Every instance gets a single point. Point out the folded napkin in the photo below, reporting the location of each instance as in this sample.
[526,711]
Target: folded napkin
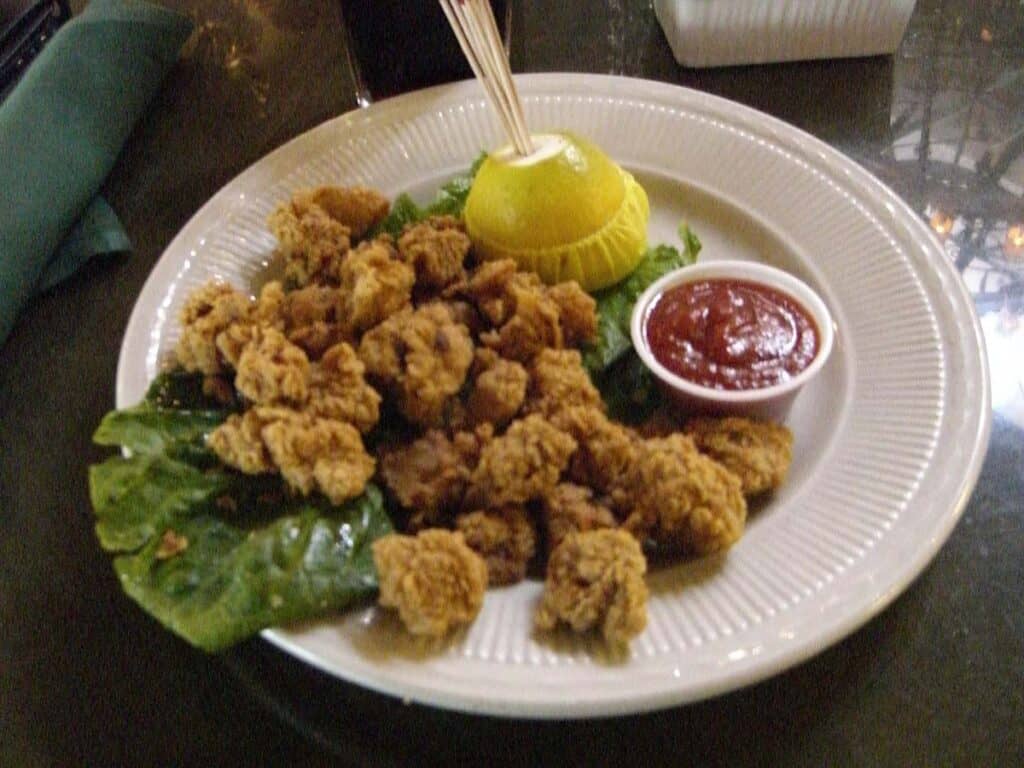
[61,130]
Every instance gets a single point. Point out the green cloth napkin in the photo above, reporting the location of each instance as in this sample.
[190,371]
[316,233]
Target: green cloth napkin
[61,130]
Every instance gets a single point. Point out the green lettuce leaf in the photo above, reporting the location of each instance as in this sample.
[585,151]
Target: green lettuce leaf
[139,497]
[229,582]
[450,201]
[152,430]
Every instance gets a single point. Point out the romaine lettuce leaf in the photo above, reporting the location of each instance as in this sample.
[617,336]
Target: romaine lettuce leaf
[151,430]
[137,498]
[229,582]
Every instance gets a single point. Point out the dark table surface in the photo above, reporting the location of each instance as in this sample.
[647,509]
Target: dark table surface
[938,679]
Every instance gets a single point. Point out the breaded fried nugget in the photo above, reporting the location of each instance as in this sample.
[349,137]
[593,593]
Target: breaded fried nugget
[313,244]
[499,388]
[375,284]
[422,357]
[570,508]
[436,249]
[757,452]
[239,444]
[311,319]
[533,325]
[358,208]
[338,389]
[487,288]
[558,381]
[523,464]
[309,452]
[272,370]
[577,312]
[606,448]
[316,453]
[267,312]
[428,476]
[504,538]
[435,581]
[681,499]
[596,580]
[207,313]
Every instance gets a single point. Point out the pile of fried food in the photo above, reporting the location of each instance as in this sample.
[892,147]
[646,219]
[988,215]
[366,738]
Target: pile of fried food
[505,455]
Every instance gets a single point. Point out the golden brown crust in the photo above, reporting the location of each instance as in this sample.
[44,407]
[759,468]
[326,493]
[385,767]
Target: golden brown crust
[577,312]
[436,248]
[521,465]
[338,389]
[208,312]
[272,370]
[435,581]
[375,284]
[504,538]
[422,357]
[428,476]
[313,244]
[239,444]
[316,453]
[570,508]
[499,389]
[606,448]
[758,453]
[357,208]
[558,381]
[595,580]
[681,499]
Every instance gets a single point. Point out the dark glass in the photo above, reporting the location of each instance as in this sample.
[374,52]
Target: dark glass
[401,45]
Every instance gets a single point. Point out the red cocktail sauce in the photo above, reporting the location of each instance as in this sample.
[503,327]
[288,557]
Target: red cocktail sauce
[731,334]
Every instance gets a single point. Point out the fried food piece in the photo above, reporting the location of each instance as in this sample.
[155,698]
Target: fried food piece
[207,313]
[499,389]
[571,508]
[436,582]
[681,499]
[422,357]
[311,319]
[606,449]
[428,476]
[338,389]
[577,312]
[316,453]
[521,465]
[528,316]
[504,538]
[239,444]
[272,370]
[757,452]
[313,244]
[436,249]
[375,284]
[533,325]
[358,208]
[558,381]
[596,580]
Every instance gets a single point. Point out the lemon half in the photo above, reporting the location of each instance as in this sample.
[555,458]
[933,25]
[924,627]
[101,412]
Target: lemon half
[566,211]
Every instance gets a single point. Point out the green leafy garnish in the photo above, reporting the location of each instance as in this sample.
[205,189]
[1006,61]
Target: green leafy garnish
[179,389]
[228,583]
[251,553]
[626,385]
[450,201]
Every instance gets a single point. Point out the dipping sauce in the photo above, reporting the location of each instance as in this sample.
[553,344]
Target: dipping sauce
[731,334]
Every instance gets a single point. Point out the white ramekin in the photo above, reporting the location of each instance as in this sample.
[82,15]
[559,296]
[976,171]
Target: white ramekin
[772,403]
[714,33]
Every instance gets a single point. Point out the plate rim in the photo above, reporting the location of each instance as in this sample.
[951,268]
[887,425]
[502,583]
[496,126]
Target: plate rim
[880,596]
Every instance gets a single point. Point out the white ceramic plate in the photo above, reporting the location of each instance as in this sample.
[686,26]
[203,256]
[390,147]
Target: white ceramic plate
[889,439]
